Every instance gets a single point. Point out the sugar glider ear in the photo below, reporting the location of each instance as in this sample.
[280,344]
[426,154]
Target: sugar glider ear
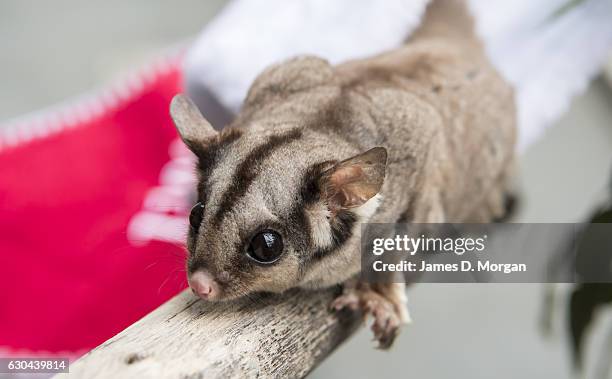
[193,128]
[354,181]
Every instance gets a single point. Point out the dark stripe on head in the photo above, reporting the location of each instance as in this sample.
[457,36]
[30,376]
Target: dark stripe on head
[309,189]
[208,156]
[309,194]
[247,171]
[208,153]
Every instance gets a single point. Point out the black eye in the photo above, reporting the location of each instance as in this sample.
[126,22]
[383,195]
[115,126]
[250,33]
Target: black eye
[265,247]
[195,217]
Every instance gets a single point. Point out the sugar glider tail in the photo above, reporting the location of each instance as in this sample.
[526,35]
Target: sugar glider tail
[446,18]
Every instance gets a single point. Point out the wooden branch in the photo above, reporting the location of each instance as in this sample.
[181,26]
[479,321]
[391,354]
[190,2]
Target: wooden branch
[274,336]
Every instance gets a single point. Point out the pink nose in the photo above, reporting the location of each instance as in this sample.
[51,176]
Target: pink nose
[203,285]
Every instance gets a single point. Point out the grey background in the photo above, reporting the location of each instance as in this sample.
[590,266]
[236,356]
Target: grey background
[51,51]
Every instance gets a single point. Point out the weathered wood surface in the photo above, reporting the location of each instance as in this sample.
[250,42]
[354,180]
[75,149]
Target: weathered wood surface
[274,336]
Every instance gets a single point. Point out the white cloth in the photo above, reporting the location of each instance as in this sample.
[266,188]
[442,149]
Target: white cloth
[548,57]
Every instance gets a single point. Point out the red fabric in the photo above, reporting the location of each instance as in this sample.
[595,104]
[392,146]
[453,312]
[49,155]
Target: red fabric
[69,277]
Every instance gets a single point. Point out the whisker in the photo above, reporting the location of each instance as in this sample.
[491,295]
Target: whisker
[166,280]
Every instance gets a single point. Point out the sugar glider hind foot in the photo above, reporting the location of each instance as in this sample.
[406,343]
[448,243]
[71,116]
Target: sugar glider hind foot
[385,303]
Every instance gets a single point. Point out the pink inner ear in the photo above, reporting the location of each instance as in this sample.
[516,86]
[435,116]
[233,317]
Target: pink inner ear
[346,175]
[349,187]
[356,180]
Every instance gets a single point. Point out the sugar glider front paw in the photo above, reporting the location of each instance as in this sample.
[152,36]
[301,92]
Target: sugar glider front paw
[386,303]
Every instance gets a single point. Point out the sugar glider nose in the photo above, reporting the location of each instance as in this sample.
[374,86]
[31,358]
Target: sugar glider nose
[203,285]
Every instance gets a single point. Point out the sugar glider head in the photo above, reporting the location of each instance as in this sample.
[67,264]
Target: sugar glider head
[270,205]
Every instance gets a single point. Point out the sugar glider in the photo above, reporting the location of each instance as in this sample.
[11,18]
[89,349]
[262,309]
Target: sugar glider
[424,133]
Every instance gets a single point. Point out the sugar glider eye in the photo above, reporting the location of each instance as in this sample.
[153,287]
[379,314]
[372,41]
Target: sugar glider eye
[195,217]
[265,247]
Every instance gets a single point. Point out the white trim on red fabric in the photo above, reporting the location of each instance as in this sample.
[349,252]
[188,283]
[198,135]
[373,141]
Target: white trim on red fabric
[87,107]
